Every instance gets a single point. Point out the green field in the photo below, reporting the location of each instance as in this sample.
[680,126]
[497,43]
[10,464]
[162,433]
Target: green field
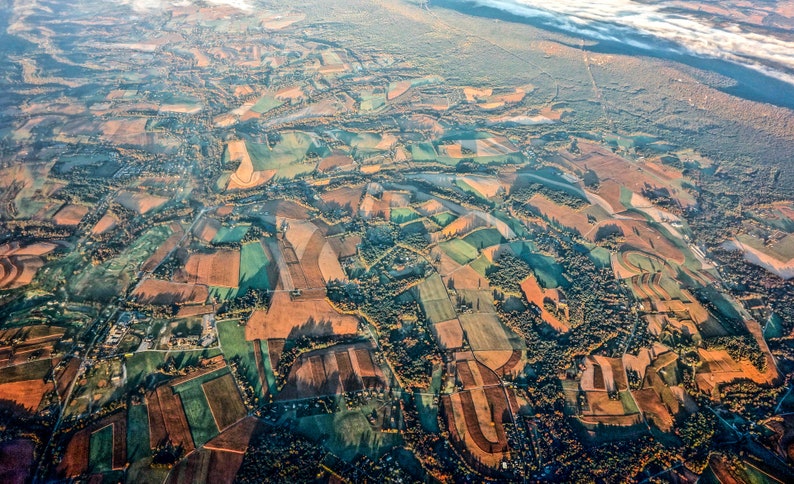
[548,272]
[459,250]
[137,433]
[433,298]
[253,268]
[364,141]
[265,104]
[469,189]
[423,152]
[483,238]
[348,434]
[600,257]
[481,264]
[428,412]
[287,156]
[197,411]
[101,450]
[231,234]
[268,367]
[372,101]
[546,269]
[516,226]
[142,364]
[253,273]
[402,215]
[647,264]
[232,339]
[444,218]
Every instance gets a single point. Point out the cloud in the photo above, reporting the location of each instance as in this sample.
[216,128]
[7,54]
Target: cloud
[644,25]
[149,5]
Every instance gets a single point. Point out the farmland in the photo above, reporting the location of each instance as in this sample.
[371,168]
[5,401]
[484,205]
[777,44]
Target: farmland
[434,300]
[397,241]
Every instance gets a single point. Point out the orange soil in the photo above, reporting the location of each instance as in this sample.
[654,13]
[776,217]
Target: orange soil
[463,277]
[654,409]
[236,437]
[340,368]
[70,214]
[449,334]
[568,217]
[139,202]
[27,393]
[287,318]
[220,268]
[155,259]
[107,223]
[75,457]
[206,229]
[336,161]
[157,292]
[198,310]
[345,197]
[398,90]
[167,418]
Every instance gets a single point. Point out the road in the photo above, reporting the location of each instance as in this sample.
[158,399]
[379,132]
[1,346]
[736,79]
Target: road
[40,467]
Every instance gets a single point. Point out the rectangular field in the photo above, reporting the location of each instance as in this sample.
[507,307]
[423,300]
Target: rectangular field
[232,337]
[199,416]
[459,250]
[137,433]
[433,298]
[101,450]
[224,401]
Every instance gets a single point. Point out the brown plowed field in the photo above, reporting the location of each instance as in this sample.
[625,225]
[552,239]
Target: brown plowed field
[161,252]
[106,223]
[341,368]
[70,214]
[653,408]
[287,318]
[334,162]
[75,458]
[346,198]
[18,270]
[163,293]
[236,437]
[207,229]
[27,393]
[167,419]
[512,363]
[449,334]
[67,375]
[274,348]
[221,268]
[224,401]
[139,202]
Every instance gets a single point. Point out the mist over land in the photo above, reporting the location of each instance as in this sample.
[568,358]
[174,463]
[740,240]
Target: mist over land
[655,28]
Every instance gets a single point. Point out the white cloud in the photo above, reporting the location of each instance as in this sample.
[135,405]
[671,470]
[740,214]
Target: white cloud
[148,5]
[622,20]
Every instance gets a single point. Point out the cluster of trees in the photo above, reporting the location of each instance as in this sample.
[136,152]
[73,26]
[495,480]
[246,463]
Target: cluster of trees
[508,273]
[557,196]
[277,454]
[741,348]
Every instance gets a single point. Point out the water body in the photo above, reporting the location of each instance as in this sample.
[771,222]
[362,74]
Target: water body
[756,81]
